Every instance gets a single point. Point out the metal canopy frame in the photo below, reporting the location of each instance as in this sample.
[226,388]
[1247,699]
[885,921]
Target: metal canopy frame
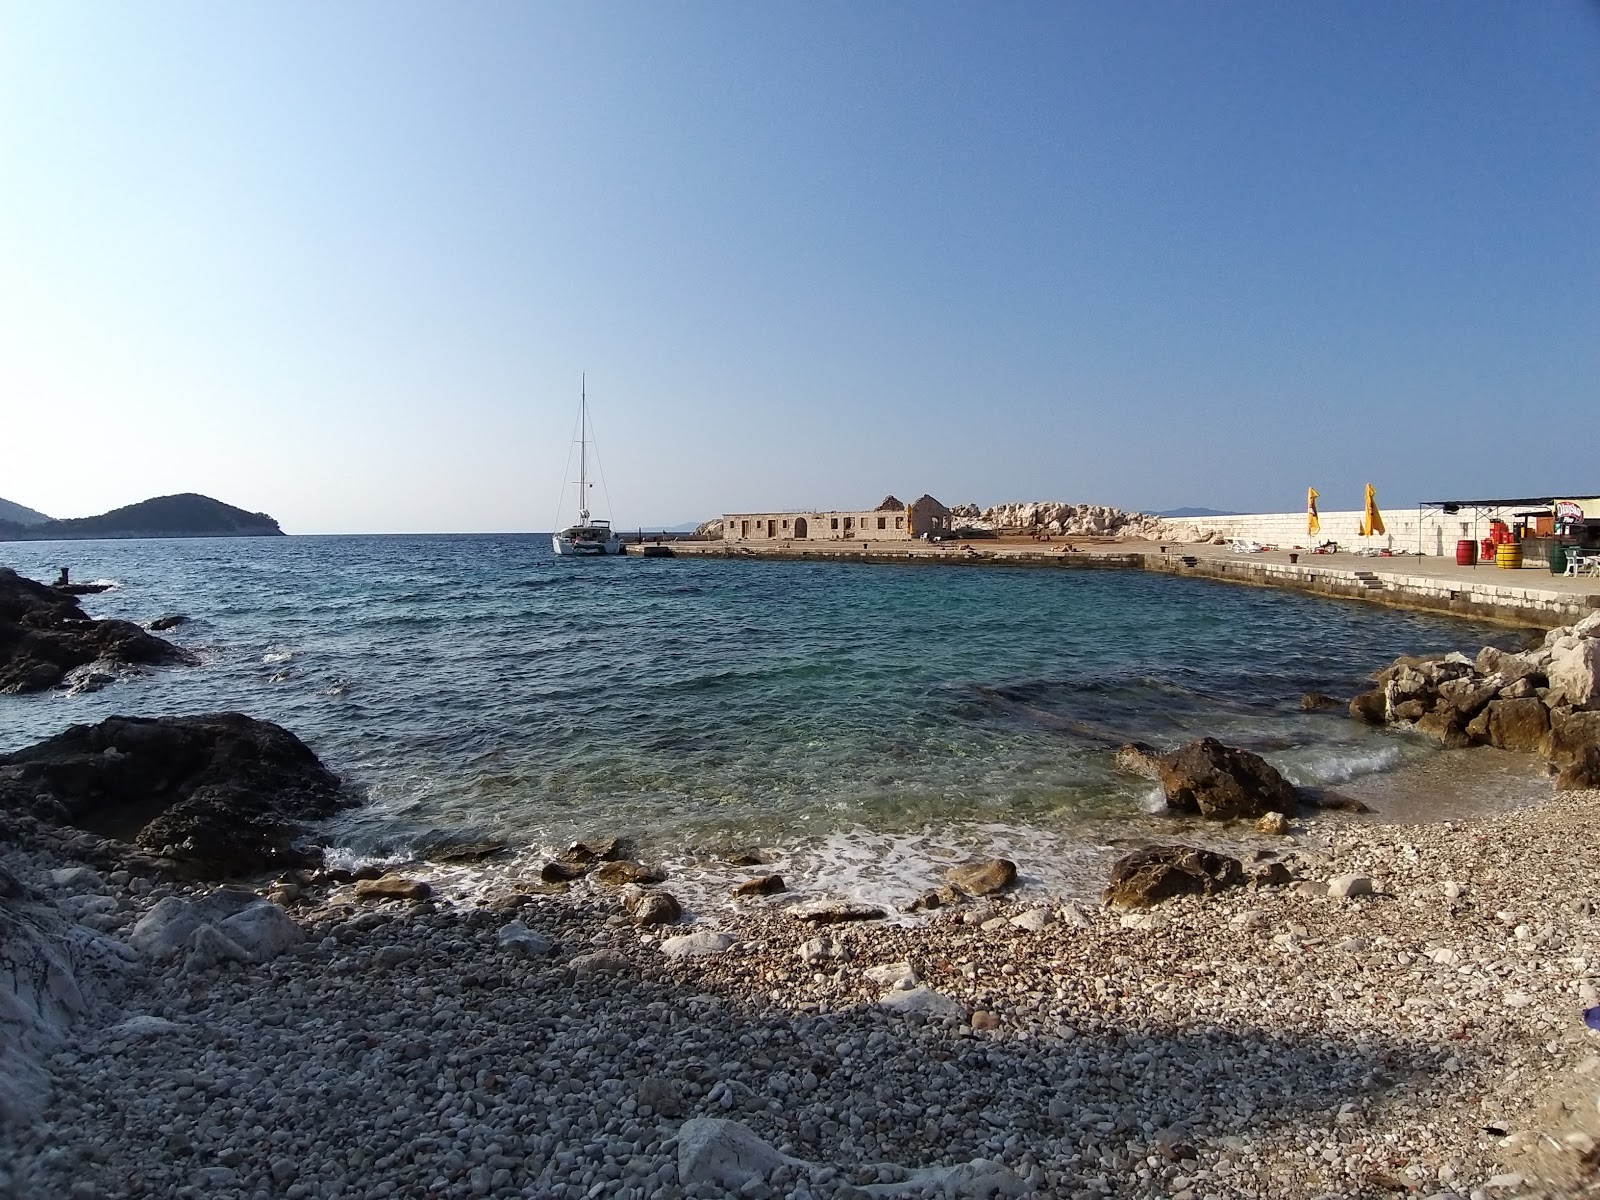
[1481,508]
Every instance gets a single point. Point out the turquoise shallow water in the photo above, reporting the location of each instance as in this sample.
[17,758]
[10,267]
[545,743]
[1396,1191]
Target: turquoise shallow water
[478,682]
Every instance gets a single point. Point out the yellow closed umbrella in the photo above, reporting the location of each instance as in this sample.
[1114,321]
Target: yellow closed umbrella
[1371,519]
[1313,522]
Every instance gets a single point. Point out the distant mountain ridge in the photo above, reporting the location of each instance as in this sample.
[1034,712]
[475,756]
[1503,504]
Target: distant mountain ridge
[184,515]
[20,514]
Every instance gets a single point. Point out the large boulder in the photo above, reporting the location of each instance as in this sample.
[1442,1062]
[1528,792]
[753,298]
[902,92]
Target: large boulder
[220,794]
[1220,782]
[1158,873]
[1518,725]
[1575,674]
[44,634]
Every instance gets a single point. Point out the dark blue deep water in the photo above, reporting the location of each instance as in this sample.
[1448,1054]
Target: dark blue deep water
[477,682]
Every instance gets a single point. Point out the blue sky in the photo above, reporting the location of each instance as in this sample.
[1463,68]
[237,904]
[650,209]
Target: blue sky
[346,263]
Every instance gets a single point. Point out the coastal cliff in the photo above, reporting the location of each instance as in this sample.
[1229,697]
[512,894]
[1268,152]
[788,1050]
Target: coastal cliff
[185,515]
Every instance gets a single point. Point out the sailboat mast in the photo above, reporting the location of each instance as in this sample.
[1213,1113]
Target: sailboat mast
[583,450]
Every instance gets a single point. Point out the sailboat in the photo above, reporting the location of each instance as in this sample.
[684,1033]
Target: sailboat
[589,536]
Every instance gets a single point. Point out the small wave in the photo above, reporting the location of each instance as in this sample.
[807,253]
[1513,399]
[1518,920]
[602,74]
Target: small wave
[273,657]
[1340,764]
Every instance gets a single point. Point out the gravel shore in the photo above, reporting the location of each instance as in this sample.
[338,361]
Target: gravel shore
[1423,1038]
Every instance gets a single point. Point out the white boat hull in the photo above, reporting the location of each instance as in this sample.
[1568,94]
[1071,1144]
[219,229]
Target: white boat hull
[572,547]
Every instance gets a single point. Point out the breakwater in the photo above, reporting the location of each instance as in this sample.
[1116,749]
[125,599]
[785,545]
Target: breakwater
[1528,597]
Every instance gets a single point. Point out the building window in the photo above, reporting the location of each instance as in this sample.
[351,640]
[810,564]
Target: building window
[848,522]
[899,522]
[786,524]
[883,522]
[835,522]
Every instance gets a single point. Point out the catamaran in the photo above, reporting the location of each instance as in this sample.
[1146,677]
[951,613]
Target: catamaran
[590,536]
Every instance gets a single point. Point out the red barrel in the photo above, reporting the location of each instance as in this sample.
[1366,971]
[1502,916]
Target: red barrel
[1466,553]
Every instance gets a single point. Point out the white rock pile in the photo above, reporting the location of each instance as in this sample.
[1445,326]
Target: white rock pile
[1055,517]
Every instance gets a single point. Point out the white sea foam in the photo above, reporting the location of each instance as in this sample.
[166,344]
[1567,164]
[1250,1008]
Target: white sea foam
[274,657]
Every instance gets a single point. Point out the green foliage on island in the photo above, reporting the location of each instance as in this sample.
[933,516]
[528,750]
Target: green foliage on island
[12,513]
[186,515]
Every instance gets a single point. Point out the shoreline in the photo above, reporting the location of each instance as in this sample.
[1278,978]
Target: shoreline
[1259,1042]
[1527,598]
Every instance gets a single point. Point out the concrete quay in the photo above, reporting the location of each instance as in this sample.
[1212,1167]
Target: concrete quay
[1529,597]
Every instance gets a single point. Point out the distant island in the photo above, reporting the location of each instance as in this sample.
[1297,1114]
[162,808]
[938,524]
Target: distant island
[186,515]
[20,514]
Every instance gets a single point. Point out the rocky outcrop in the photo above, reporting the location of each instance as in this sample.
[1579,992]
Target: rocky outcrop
[44,635]
[185,515]
[1158,873]
[1055,517]
[1544,700]
[1220,782]
[217,795]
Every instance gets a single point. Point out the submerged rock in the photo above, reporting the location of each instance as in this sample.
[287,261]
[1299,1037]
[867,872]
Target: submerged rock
[1220,782]
[618,872]
[761,885]
[1158,873]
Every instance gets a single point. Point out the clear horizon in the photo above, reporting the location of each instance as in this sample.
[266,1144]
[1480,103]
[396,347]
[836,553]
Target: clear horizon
[347,265]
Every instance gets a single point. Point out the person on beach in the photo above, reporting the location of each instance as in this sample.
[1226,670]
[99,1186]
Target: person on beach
[61,579]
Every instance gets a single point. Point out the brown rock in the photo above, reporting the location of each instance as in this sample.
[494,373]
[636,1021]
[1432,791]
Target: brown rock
[939,897]
[561,871]
[1317,701]
[619,871]
[1371,707]
[1157,873]
[1468,696]
[1580,772]
[1477,729]
[984,1019]
[1136,758]
[983,876]
[392,887]
[836,912]
[1518,725]
[1445,727]
[596,850]
[1570,731]
[1332,802]
[761,885]
[1409,710]
[653,908]
[1271,875]
[1273,822]
[1220,782]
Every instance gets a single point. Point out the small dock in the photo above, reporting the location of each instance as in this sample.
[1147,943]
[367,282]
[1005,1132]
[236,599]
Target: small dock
[1530,596]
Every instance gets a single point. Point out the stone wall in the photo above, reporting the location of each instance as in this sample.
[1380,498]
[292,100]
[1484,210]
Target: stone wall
[1412,529]
[888,525]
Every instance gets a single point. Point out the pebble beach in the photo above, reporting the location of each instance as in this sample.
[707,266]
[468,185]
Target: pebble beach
[1422,1035]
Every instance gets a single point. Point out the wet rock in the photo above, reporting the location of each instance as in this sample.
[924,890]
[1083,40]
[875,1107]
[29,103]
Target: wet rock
[593,850]
[1318,702]
[651,908]
[618,872]
[1333,802]
[1136,758]
[1271,875]
[1157,873]
[836,912]
[220,794]
[44,634]
[1579,772]
[169,621]
[1220,782]
[983,876]
[1371,707]
[1272,823]
[393,887]
[560,871]
[939,897]
[441,848]
[761,885]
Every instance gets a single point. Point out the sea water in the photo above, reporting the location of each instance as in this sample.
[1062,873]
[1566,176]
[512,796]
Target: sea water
[481,686]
